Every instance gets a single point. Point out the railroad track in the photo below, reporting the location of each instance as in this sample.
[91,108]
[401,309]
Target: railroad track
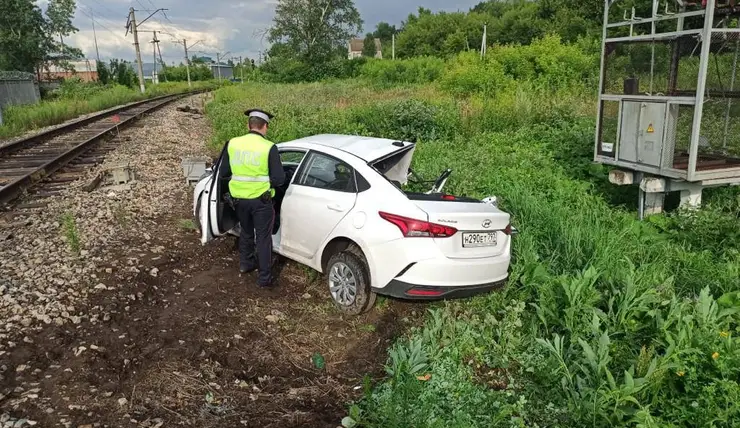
[50,160]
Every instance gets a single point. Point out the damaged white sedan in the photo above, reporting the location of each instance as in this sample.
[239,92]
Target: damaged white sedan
[343,212]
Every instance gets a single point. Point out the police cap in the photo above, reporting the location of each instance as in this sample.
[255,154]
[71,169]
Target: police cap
[260,114]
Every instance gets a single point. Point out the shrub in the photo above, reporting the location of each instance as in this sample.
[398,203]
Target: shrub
[468,74]
[546,62]
[409,71]
[411,120]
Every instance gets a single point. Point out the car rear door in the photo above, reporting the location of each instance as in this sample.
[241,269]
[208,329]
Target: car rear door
[323,192]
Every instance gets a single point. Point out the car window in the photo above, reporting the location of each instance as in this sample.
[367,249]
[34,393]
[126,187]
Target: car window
[291,157]
[325,172]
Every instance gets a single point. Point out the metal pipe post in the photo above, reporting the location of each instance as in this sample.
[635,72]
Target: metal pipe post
[701,86]
[732,88]
[600,106]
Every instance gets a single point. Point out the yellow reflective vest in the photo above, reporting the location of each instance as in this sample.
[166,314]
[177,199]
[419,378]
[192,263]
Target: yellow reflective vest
[250,172]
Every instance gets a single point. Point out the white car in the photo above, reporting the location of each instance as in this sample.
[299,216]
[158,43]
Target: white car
[342,212]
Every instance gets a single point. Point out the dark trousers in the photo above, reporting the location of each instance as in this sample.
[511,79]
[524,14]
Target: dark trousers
[256,217]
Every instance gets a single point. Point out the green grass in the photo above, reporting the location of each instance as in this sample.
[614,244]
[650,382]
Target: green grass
[71,104]
[71,233]
[606,320]
[187,224]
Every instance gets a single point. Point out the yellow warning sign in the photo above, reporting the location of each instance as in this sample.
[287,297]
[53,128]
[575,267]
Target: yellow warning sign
[650,129]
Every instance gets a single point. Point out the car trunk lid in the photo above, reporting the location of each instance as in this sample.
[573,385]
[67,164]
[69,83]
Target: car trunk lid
[481,227]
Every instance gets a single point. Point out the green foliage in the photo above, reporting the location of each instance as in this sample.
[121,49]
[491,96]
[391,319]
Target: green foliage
[606,321]
[24,40]
[442,35]
[104,74]
[385,31]
[60,14]
[402,72]
[198,72]
[71,233]
[547,62]
[314,31]
[468,75]
[285,69]
[75,98]
[508,22]
[368,46]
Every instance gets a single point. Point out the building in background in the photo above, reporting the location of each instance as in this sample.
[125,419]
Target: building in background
[222,71]
[85,69]
[355,48]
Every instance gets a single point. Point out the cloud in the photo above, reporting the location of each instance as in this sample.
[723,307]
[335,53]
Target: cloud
[221,25]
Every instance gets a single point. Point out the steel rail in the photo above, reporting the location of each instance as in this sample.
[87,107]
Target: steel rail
[14,188]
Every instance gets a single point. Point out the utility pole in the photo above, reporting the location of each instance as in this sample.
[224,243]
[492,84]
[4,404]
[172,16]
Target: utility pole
[393,49]
[95,37]
[184,43]
[135,30]
[483,43]
[154,50]
[218,63]
[241,67]
[187,61]
[161,61]
[134,27]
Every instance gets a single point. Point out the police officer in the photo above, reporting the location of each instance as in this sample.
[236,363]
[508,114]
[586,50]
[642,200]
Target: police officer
[256,171]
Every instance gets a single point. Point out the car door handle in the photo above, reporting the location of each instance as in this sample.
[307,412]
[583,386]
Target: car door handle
[336,207]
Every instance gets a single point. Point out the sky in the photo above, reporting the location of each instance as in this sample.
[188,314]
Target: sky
[230,27]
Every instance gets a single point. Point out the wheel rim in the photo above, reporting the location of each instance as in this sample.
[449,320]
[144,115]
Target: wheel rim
[342,284]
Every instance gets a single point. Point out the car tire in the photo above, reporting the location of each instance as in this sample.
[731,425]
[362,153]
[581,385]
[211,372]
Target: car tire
[349,282]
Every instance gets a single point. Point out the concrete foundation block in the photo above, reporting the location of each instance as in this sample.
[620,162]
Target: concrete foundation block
[121,174]
[691,198]
[621,178]
[654,203]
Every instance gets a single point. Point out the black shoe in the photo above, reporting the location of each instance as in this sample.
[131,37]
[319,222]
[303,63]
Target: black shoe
[269,285]
[246,269]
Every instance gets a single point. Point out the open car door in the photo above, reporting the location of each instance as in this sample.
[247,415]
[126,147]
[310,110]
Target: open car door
[213,209]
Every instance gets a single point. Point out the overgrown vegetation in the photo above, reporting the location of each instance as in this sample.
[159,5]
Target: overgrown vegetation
[75,98]
[606,320]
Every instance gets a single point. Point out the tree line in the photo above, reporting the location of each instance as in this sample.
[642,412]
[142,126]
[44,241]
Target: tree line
[310,38]
[30,38]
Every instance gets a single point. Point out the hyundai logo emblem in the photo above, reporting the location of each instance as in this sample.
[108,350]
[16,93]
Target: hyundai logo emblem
[486,223]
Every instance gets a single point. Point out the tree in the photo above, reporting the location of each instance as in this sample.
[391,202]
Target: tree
[60,14]
[314,30]
[104,75]
[440,34]
[368,46]
[24,41]
[385,31]
[122,72]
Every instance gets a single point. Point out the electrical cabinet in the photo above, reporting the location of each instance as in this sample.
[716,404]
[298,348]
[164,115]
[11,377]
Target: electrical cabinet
[642,133]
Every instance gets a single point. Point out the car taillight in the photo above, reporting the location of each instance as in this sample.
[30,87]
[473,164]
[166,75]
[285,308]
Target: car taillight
[412,228]
[509,230]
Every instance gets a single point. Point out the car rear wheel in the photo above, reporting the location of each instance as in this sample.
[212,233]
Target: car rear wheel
[349,283]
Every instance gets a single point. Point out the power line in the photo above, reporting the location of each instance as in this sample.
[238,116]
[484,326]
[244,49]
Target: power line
[100,4]
[104,26]
[98,16]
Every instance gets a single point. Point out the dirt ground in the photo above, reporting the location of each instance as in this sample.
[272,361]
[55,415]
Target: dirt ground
[188,341]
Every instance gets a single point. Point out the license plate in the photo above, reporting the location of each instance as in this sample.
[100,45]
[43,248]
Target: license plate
[487,239]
